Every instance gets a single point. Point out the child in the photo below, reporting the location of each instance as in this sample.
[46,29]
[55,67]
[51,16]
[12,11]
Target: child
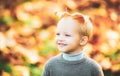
[72,34]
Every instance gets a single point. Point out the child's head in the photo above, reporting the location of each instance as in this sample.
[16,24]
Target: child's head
[73,32]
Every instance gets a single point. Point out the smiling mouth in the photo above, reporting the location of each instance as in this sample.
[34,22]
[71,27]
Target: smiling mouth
[61,44]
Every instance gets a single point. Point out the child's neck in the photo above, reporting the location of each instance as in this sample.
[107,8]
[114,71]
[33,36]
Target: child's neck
[74,57]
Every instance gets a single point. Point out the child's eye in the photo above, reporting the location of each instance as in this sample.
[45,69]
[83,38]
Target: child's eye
[67,35]
[57,34]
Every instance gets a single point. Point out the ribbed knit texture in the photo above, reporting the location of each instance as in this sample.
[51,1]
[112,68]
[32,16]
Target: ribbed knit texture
[73,57]
[58,66]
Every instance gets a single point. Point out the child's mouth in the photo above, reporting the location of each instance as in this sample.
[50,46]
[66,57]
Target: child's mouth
[61,44]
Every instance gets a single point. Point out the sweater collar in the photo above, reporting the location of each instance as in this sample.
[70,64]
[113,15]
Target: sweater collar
[73,57]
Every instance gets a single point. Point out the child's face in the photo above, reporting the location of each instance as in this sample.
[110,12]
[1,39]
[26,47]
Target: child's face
[67,36]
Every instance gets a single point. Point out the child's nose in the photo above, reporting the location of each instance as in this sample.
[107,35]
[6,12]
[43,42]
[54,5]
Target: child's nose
[61,38]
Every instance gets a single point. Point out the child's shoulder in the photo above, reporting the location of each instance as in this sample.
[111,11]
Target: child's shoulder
[53,59]
[95,67]
[92,63]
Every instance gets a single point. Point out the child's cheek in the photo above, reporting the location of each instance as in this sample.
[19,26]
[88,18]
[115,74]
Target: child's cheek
[69,40]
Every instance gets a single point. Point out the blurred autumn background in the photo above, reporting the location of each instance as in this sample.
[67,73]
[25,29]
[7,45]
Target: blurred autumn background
[27,30]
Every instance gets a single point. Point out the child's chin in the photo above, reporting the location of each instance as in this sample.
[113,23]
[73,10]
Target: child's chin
[62,50]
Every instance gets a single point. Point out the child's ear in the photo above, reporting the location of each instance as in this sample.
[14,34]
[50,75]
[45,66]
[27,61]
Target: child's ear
[84,40]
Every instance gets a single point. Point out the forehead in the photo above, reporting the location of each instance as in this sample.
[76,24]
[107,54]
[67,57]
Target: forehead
[67,24]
